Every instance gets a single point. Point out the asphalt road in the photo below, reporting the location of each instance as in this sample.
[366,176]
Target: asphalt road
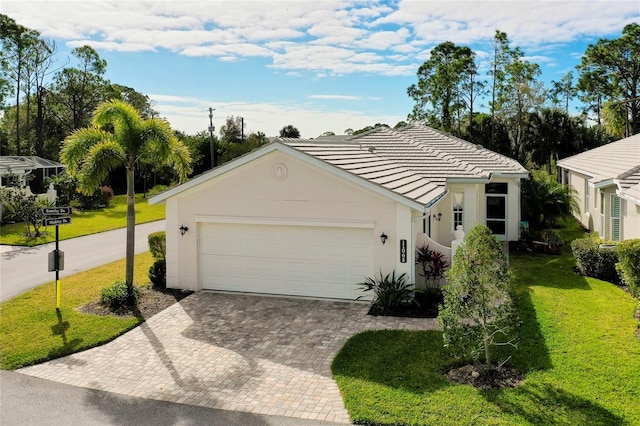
[26,400]
[22,268]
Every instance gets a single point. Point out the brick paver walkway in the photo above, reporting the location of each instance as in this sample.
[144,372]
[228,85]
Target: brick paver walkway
[257,354]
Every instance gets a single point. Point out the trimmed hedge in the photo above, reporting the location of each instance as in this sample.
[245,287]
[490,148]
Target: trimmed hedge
[158,245]
[629,265]
[594,261]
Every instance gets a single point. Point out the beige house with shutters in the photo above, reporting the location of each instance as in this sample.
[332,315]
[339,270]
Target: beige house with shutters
[313,217]
[607,183]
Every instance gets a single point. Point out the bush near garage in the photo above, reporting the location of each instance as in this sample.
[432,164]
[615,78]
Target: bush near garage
[158,249]
[629,265]
[117,297]
[594,260]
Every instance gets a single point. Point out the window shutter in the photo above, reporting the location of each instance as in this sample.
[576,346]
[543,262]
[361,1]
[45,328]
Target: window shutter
[615,217]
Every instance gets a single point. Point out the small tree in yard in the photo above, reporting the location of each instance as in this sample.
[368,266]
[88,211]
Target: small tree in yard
[478,313]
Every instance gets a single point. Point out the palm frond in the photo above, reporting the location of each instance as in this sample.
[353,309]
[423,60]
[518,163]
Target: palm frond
[98,162]
[158,140]
[124,119]
[76,145]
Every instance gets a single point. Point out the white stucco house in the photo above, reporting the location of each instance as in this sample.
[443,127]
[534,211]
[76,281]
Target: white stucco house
[607,183]
[314,217]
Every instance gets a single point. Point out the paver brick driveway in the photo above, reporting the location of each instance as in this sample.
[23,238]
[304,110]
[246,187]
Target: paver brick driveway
[263,355]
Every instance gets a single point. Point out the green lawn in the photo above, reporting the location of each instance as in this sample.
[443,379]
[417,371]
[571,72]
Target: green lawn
[86,222]
[578,349]
[32,331]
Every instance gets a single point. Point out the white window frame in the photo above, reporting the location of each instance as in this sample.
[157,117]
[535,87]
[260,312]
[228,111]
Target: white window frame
[587,195]
[457,209]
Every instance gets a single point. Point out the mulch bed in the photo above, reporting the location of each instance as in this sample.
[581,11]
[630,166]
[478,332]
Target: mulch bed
[486,377]
[151,300]
[426,307]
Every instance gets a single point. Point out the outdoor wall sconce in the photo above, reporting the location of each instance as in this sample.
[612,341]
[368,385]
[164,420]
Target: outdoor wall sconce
[383,238]
[437,216]
[183,230]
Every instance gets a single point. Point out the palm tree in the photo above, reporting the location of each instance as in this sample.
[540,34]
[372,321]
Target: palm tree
[544,200]
[120,137]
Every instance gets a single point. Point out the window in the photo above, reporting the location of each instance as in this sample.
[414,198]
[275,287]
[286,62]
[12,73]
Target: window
[458,201]
[496,199]
[615,217]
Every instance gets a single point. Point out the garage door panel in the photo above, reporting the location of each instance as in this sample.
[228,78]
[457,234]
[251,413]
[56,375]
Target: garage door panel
[293,260]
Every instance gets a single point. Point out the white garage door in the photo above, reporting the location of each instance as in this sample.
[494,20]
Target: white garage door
[288,260]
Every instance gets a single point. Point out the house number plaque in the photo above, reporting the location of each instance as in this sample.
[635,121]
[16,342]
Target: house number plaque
[403,251]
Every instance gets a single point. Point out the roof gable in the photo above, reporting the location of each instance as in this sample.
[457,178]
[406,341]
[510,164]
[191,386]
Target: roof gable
[273,146]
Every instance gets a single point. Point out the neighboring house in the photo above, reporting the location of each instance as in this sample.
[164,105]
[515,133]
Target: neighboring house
[22,165]
[314,217]
[607,184]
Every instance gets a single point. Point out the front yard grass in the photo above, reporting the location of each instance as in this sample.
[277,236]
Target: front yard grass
[578,349]
[86,222]
[32,331]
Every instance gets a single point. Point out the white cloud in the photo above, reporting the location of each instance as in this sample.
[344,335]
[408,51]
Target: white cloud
[328,37]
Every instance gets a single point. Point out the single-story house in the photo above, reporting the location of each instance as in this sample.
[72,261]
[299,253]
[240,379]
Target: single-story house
[607,183]
[314,217]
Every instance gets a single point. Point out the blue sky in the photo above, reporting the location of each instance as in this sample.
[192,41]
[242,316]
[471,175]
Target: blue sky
[318,65]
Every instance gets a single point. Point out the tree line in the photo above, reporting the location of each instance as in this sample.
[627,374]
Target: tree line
[523,119]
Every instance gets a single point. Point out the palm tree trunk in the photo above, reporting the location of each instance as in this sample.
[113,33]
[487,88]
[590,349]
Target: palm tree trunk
[131,230]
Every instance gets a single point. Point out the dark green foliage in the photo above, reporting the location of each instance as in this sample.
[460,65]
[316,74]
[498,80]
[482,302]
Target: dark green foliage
[544,201]
[158,245]
[117,296]
[158,273]
[478,314]
[66,187]
[390,292]
[629,265]
[99,199]
[595,261]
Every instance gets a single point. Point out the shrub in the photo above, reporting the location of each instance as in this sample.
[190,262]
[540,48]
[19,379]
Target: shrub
[158,245]
[157,189]
[20,204]
[158,274]
[595,261]
[478,313]
[629,265]
[433,264]
[99,199]
[390,292]
[66,187]
[117,297]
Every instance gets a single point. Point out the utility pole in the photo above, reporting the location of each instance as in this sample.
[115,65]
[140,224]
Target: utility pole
[214,157]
